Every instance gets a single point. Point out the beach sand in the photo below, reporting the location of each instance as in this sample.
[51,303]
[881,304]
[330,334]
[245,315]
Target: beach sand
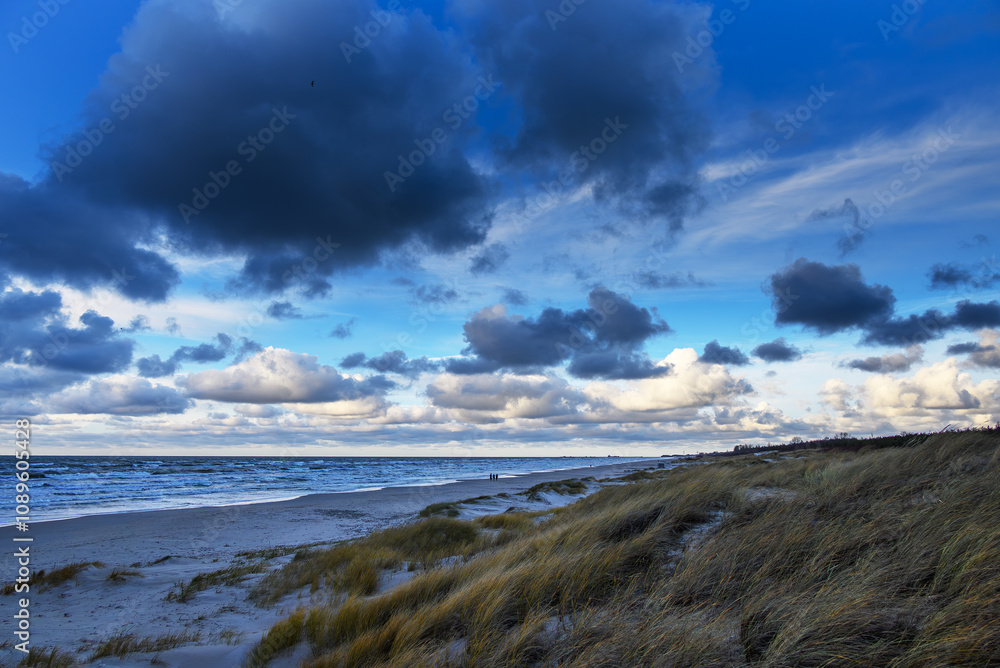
[75,615]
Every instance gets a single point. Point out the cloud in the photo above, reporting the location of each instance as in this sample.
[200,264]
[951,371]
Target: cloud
[855,234]
[139,323]
[514,297]
[492,398]
[310,163]
[984,353]
[778,350]
[205,352]
[172,327]
[258,410]
[652,280]
[489,259]
[343,330]
[394,361]
[939,387]
[608,65]
[827,299]
[34,331]
[932,324]
[154,367]
[719,354]
[120,395]
[276,375]
[890,363]
[600,341]
[952,276]
[434,294]
[284,311]
[690,385]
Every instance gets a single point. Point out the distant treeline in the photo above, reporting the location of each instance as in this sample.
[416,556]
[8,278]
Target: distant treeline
[845,441]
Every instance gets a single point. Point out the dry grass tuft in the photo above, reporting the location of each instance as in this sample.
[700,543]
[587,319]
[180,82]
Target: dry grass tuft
[122,645]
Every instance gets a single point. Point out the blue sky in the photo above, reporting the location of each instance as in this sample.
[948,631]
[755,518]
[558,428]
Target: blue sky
[644,228]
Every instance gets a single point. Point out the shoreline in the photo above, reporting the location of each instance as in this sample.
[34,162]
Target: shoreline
[220,531]
[4,524]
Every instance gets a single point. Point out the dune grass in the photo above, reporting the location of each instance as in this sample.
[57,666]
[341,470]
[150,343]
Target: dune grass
[122,645]
[42,579]
[182,592]
[38,657]
[878,556]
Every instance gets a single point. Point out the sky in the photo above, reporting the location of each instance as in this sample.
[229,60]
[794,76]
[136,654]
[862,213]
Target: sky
[459,227]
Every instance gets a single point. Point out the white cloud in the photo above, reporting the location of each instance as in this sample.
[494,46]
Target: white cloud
[277,375]
[690,385]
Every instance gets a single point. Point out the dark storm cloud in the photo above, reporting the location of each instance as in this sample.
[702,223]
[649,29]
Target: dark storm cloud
[719,354]
[394,361]
[310,198]
[343,330]
[613,365]
[578,83]
[434,294]
[652,280]
[602,341]
[932,324]
[58,235]
[952,275]
[827,299]
[284,311]
[965,348]
[778,350]
[489,259]
[33,331]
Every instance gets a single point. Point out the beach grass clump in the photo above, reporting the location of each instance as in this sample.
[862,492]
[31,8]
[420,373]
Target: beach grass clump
[571,486]
[38,657]
[229,576]
[355,567]
[282,636]
[446,509]
[121,645]
[119,574]
[43,579]
[881,554]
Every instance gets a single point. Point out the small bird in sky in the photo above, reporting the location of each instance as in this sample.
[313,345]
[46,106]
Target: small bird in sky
[313,84]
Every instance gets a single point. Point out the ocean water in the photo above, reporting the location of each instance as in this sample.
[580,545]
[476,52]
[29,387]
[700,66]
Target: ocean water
[64,487]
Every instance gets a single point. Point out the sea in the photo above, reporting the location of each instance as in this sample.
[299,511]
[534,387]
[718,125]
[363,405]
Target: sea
[65,487]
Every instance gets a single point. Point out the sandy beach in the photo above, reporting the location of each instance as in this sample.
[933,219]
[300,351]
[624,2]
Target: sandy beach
[158,549]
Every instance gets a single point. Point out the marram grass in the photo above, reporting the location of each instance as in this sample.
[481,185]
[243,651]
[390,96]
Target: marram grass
[870,557]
